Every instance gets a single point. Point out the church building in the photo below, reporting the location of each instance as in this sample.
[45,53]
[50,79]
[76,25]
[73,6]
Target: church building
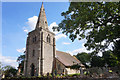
[41,55]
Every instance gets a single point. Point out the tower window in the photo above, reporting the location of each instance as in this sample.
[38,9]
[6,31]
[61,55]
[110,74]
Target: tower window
[45,22]
[34,39]
[33,54]
[48,38]
[32,69]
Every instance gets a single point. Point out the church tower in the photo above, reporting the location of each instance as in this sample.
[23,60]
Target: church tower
[40,48]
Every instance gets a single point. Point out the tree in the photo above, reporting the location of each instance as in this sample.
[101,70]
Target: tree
[0,68]
[110,59]
[97,22]
[116,49]
[21,60]
[9,71]
[0,64]
[75,66]
[84,58]
[97,61]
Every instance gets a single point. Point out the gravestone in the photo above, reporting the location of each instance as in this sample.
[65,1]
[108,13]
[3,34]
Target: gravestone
[81,71]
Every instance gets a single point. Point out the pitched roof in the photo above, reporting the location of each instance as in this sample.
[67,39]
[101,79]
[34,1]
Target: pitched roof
[66,58]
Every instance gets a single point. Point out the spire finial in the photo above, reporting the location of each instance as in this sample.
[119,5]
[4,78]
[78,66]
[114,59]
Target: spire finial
[42,2]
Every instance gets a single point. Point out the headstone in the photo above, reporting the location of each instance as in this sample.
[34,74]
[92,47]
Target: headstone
[99,71]
[81,71]
[0,76]
[104,69]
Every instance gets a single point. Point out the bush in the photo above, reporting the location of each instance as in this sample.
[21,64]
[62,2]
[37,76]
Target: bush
[72,75]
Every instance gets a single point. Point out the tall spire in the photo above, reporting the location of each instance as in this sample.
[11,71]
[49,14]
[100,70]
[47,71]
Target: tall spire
[42,21]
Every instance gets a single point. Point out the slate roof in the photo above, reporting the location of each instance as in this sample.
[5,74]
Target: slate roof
[66,58]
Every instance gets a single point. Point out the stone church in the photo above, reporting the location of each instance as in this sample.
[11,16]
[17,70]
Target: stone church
[41,56]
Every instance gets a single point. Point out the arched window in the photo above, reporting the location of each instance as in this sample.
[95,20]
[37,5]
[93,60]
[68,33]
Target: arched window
[33,53]
[48,38]
[34,39]
[45,22]
[32,69]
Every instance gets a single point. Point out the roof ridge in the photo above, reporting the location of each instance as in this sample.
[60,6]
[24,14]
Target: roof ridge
[64,52]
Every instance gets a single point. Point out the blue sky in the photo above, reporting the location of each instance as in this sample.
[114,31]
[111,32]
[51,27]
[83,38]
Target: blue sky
[18,18]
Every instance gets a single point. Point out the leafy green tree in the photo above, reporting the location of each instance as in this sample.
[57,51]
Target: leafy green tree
[1,71]
[0,68]
[9,71]
[75,66]
[116,50]
[84,58]
[97,22]
[0,64]
[110,59]
[20,60]
[97,61]
[107,58]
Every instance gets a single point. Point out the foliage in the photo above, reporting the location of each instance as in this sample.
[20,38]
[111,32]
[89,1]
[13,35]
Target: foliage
[20,60]
[97,61]
[110,59]
[9,71]
[0,65]
[75,66]
[116,50]
[58,75]
[1,68]
[72,75]
[97,22]
[84,58]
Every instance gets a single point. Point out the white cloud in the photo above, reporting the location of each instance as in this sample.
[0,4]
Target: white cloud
[60,36]
[25,30]
[66,43]
[56,48]
[21,50]
[109,23]
[31,23]
[72,13]
[76,51]
[100,54]
[6,60]
[111,46]
[53,25]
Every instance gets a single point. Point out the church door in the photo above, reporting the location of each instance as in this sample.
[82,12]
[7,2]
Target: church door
[32,69]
